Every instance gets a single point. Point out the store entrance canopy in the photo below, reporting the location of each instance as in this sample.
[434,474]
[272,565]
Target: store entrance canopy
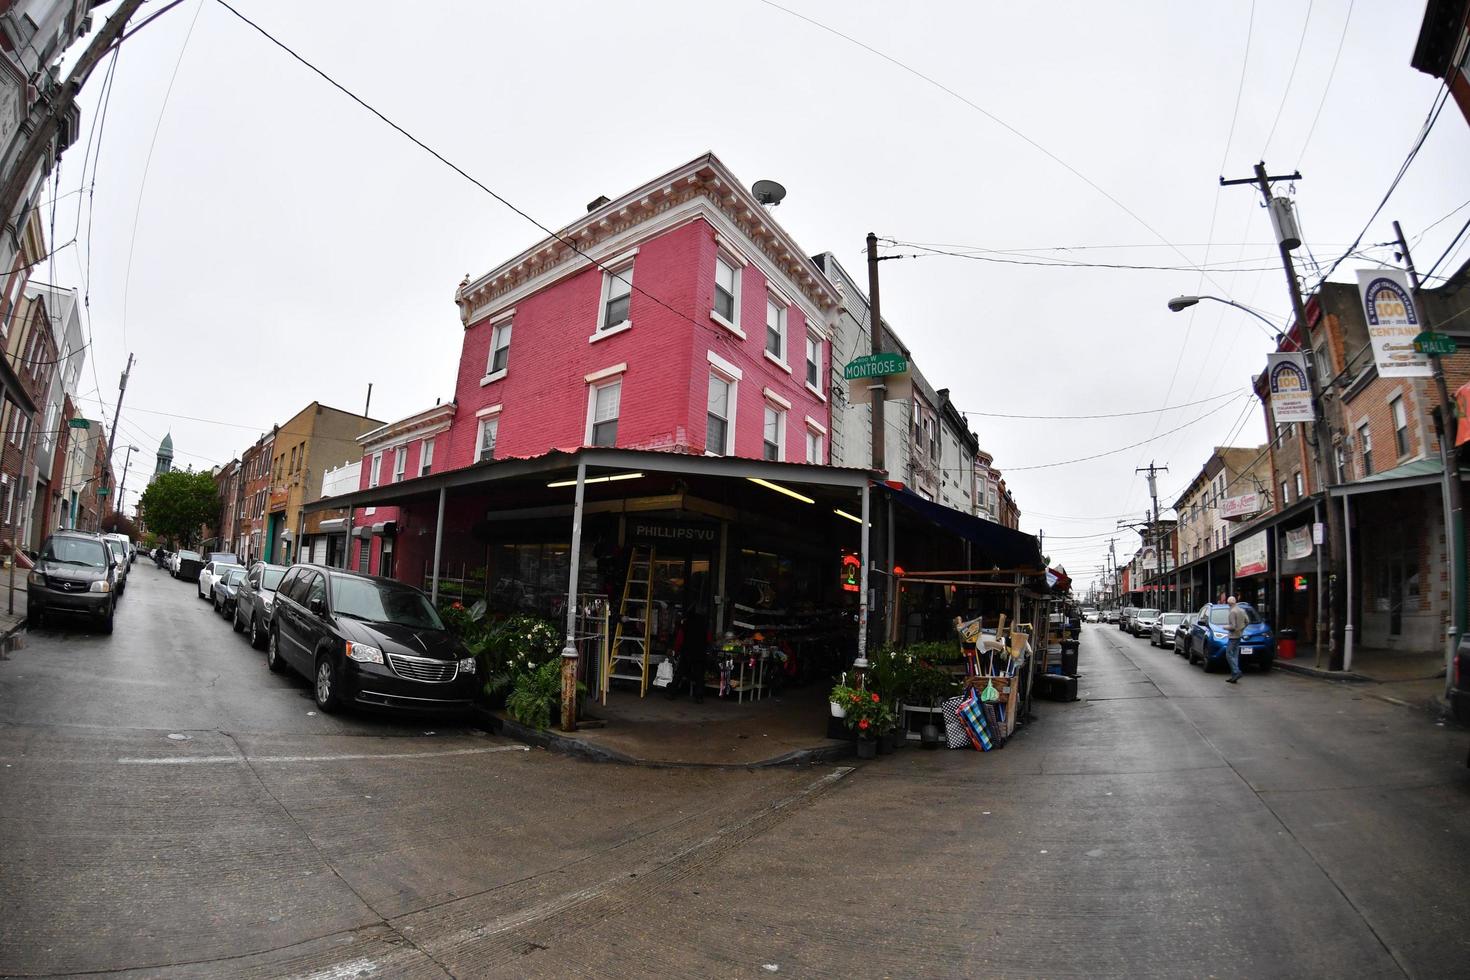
[999,545]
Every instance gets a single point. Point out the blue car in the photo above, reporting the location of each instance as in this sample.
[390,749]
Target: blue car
[1207,638]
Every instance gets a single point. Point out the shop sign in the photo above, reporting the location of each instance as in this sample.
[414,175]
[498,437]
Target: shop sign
[852,570]
[1299,583]
[1462,413]
[1149,559]
[1250,555]
[1234,508]
[875,366]
[673,532]
[1393,323]
[78,424]
[1291,393]
[1299,543]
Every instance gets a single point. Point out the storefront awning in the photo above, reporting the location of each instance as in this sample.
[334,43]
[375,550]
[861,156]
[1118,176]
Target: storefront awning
[332,525]
[1000,545]
[1420,473]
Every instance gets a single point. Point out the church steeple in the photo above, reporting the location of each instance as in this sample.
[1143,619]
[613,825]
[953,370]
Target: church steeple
[165,456]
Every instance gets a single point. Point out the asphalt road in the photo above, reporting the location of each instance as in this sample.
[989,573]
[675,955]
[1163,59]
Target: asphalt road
[1169,824]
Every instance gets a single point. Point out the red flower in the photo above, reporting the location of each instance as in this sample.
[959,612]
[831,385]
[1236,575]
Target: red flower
[855,699]
[863,724]
[875,698]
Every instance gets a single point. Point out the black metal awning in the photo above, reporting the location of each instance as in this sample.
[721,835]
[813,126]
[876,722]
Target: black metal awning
[1006,547]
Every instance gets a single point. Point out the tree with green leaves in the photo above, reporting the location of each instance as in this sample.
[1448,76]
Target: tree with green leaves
[177,505]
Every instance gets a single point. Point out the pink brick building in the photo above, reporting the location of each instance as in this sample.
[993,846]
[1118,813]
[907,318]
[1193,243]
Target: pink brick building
[685,320]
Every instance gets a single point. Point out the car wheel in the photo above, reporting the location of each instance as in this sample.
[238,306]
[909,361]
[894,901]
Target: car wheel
[235,623]
[33,617]
[1207,663]
[1267,663]
[257,636]
[272,652]
[217,610]
[106,624]
[324,686]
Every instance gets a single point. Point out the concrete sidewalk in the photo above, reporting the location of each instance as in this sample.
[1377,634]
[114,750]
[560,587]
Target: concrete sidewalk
[1413,679]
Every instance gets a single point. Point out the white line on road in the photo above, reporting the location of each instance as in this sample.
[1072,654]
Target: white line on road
[342,971]
[194,760]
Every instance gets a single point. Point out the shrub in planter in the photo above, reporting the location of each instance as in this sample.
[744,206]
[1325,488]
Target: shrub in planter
[534,695]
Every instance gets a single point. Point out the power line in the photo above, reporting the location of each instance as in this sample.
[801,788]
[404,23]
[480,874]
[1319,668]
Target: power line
[1290,77]
[1113,415]
[1454,243]
[1331,74]
[1055,263]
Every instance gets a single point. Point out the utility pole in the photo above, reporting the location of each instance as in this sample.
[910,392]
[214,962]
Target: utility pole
[1153,493]
[61,101]
[1286,240]
[122,487]
[875,334]
[122,389]
[1453,497]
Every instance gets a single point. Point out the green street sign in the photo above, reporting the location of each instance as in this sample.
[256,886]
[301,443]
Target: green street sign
[102,491]
[79,423]
[1430,342]
[875,366]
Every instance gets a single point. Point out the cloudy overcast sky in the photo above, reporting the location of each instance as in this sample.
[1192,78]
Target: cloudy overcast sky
[258,241]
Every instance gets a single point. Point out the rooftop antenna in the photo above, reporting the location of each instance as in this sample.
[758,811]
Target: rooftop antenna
[768,192]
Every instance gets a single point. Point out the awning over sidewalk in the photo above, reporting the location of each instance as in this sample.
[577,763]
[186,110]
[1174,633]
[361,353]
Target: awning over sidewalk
[998,544]
[1419,473]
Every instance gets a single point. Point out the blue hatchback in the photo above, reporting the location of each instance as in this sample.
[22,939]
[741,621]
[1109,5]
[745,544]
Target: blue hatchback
[1207,638]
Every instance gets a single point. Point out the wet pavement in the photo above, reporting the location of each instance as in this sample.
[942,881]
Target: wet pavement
[1167,824]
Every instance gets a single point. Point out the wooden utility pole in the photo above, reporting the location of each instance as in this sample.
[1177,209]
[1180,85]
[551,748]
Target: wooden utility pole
[1326,630]
[60,103]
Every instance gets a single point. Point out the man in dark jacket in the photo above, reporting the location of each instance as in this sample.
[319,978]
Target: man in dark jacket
[693,642]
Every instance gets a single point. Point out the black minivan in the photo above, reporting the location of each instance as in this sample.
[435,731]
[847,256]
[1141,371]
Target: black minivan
[75,573]
[367,640]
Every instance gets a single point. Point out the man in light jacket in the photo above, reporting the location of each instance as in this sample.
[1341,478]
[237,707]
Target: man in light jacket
[1235,626]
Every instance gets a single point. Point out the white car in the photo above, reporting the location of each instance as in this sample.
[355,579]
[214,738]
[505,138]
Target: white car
[1091,616]
[1142,623]
[212,570]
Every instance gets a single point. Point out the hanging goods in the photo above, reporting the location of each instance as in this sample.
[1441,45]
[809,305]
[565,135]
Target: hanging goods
[664,676]
[956,735]
[990,694]
[970,713]
[630,649]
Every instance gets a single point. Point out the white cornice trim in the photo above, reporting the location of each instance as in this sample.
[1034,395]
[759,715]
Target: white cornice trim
[725,367]
[813,424]
[489,410]
[607,372]
[430,416]
[775,396]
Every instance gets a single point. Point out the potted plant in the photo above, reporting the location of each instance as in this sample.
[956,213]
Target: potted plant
[866,715]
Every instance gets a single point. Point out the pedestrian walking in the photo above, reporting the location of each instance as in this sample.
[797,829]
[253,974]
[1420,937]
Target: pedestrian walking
[1235,625]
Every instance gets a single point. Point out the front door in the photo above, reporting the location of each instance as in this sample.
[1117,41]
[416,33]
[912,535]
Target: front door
[385,559]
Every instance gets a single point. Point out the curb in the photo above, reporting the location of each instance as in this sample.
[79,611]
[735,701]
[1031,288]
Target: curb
[1341,676]
[576,748]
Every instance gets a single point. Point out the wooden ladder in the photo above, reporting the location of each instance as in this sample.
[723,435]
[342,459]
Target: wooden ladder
[630,647]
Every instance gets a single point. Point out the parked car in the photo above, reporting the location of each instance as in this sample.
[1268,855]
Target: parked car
[211,571]
[253,601]
[1142,622]
[1124,616]
[1460,683]
[75,573]
[187,565]
[119,552]
[225,589]
[1091,615]
[1207,638]
[367,640]
[1110,616]
[1165,627]
[222,558]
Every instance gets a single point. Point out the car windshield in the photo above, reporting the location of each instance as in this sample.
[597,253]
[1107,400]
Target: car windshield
[1220,615]
[272,578]
[1147,613]
[75,551]
[1172,619]
[234,575]
[186,555]
[381,602]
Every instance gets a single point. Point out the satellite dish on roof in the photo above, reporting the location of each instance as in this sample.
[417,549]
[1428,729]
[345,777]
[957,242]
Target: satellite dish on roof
[768,192]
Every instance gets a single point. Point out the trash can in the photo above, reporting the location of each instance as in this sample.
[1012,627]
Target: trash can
[1286,644]
[1069,657]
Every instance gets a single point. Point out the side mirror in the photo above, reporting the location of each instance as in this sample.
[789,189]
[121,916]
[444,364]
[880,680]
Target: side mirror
[318,607]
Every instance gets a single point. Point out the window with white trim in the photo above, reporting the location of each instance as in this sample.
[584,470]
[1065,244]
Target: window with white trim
[718,433]
[499,349]
[727,291]
[775,329]
[426,457]
[772,432]
[1297,481]
[603,408]
[1400,426]
[813,446]
[617,288]
[1285,493]
[814,362]
[376,468]
[1365,448]
[400,463]
[489,430]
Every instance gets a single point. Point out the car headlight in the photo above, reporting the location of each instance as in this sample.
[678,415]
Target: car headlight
[101,585]
[467,665]
[36,578]
[266,599]
[363,653]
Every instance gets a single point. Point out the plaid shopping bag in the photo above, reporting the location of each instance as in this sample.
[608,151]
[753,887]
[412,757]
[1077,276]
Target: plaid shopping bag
[956,735]
[973,717]
[995,723]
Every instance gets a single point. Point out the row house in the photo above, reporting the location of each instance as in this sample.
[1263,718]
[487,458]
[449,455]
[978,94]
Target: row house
[228,483]
[31,354]
[255,482]
[302,448]
[1227,487]
[63,305]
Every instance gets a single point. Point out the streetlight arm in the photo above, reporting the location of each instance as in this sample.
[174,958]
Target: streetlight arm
[1184,302]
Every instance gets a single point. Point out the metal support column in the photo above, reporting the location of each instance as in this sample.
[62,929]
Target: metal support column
[569,651]
[1347,613]
[438,548]
[861,663]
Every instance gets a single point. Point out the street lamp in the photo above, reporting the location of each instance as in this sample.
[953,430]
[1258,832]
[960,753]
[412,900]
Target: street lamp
[1185,302]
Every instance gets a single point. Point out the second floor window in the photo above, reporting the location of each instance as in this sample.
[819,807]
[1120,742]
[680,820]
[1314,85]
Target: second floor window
[499,348]
[602,427]
[775,421]
[1365,447]
[400,463]
[813,447]
[489,429]
[426,457]
[618,288]
[727,285]
[1297,480]
[717,417]
[1400,426]
[1285,493]
[376,470]
[814,362]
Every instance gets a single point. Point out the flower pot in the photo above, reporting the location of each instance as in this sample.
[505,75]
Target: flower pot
[867,748]
[930,737]
[838,711]
[887,743]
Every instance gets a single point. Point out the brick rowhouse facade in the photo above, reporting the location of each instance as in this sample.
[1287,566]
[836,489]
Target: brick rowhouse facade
[30,351]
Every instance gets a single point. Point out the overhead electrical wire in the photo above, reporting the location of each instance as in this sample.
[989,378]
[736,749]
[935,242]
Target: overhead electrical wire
[1110,415]
[1454,243]
[1056,263]
[1290,77]
[1326,88]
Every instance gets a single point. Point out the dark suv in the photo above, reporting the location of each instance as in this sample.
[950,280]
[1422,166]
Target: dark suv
[367,640]
[75,573]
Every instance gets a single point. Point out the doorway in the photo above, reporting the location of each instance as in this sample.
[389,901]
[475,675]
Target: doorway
[385,559]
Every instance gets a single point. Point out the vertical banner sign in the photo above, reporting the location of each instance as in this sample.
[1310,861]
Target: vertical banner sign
[1250,555]
[1291,393]
[1392,323]
[1299,543]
